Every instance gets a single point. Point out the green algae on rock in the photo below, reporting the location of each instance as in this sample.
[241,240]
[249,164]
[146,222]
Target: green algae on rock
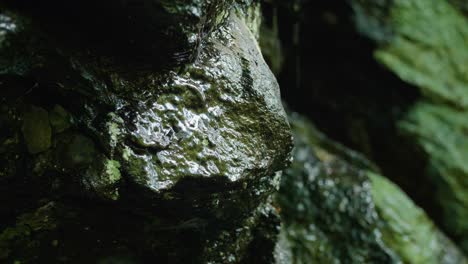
[407,230]
[335,209]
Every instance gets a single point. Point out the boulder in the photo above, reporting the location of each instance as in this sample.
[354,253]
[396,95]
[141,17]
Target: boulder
[151,164]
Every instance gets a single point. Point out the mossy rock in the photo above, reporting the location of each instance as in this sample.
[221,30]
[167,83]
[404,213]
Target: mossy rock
[441,133]
[337,208]
[407,229]
[426,45]
[326,204]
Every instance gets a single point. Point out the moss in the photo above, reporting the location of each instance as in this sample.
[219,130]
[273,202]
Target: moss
[112,170]
[407,229]
[60,119]
[114,131]
[441,133]
[251,14]
[461,5]
[426,46]
[103,178]
[336,207]
[36,129]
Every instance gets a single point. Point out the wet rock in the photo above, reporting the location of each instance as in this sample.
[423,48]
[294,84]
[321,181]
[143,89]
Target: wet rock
[75,151]
[175,165]
[336,208]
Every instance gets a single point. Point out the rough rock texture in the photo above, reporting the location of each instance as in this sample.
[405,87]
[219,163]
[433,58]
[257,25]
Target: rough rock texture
[335,209]
[104,160]
[143,131]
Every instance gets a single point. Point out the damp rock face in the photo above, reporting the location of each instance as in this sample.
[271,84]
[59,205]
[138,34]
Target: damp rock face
[337,209]
[104,160]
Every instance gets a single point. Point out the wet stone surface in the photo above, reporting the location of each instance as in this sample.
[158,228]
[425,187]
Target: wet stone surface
[176,164]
